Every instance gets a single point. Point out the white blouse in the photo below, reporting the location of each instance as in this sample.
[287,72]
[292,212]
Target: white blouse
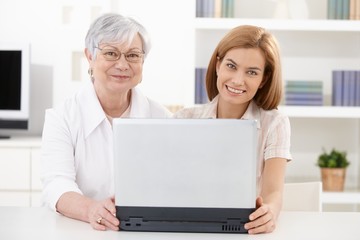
[77,145]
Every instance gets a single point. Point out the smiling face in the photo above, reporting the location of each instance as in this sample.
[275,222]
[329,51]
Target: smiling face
[116,76]
[240,74]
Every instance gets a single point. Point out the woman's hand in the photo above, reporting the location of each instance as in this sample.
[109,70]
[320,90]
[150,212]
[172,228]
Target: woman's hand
[102,215]
[263,220]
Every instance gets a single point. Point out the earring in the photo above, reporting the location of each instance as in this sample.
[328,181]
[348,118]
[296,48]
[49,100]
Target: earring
[91,73]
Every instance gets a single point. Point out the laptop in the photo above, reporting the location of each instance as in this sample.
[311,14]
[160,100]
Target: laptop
[185,175]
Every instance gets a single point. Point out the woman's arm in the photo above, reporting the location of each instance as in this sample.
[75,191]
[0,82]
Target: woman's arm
[269,203]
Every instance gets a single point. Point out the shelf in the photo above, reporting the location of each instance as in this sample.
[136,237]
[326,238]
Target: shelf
[16,142]
[321,111]
[279,24]
[351,197]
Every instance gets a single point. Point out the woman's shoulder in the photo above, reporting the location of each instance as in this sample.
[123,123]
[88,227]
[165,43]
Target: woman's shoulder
[201,111]
[274,117]
[273,113]
[84,100]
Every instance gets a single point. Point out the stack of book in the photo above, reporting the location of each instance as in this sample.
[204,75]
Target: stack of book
[200,86]
[215,8]
[346,88]
[304,93]
[344,9]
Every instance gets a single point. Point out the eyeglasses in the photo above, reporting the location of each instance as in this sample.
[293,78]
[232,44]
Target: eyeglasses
[112,54]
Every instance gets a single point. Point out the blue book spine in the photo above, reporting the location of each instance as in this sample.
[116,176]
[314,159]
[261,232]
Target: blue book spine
[357,86]
[211,8]
[331,9]
[197,85]
[205,7]
[204,97]
[199,8]
[304,96]
[352,82]
[346,9]
[231,8]
[339,9]
[297,102]
[346,89]
[224,9]
[337,87]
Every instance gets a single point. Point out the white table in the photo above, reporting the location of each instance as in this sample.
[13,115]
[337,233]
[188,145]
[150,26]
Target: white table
[40,223]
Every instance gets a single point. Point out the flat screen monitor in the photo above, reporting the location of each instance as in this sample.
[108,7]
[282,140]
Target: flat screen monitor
[14,85]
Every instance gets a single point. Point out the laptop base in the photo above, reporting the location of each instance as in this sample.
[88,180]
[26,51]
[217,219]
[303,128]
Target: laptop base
[168,219]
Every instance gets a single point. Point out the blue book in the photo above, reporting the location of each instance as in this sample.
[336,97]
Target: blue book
[337,87]
[357,88]
[203,93]
[197,85]
[224,9]
[304,102]
[352,83]
[304,96]
[339,9]
[231,8]
[331,9]
[346,98]
[211,8]
[199,8]
[346,9]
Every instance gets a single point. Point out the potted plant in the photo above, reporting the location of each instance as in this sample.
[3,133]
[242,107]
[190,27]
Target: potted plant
[333,169]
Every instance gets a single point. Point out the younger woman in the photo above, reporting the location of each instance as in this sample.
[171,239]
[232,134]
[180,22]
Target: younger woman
[243,81]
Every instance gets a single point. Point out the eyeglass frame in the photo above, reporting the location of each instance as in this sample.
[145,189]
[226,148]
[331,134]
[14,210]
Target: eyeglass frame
[142,53]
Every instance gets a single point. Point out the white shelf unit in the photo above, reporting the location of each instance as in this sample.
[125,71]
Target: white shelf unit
[310,49]
[321,112]
[280,24]
[347,197]
[20,171]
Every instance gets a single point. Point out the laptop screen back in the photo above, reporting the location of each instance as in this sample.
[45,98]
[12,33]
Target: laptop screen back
[203,163]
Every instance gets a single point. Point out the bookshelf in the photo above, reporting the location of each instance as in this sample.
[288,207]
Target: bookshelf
[311,48]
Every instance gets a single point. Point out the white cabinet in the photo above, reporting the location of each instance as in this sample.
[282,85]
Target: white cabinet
[15,168]
[20,172]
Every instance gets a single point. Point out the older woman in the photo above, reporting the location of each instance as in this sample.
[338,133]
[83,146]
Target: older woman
[77,144]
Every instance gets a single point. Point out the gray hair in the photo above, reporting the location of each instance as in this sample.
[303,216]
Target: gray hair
[114,27]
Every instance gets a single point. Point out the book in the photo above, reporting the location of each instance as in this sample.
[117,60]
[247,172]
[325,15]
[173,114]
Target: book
[339,9]
[345,9]
[200,86]
[352,10]
[301,92]
[218,8]
[331,9]
[357,87]
[337,87]
[199,8]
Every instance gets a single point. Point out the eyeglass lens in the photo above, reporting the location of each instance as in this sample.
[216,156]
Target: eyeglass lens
[113,55]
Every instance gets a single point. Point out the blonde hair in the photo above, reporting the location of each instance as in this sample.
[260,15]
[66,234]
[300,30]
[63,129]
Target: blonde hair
[269,95]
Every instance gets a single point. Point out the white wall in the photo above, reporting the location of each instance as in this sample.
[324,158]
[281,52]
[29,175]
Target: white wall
[170,24]
[33,22]
[56,31]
